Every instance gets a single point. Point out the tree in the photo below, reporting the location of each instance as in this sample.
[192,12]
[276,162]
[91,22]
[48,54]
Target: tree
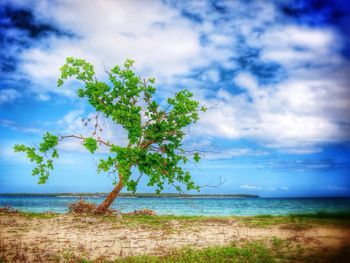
[155,135]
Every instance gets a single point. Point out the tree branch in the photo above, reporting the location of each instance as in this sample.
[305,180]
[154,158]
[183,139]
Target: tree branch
[62,137]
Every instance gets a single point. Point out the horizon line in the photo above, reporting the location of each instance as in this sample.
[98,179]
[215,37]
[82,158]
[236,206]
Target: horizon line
[164,194]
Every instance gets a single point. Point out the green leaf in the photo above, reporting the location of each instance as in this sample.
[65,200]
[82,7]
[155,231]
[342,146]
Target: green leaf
[49,164]
[90,144]
[49,141]
[128,63]
[196,157]
[19,148]
[131,185]
[54,153]
[59,82]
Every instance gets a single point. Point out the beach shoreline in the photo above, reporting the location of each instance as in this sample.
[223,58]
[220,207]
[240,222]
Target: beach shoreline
[65,237]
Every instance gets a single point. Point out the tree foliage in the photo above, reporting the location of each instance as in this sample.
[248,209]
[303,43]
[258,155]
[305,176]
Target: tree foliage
[155,134]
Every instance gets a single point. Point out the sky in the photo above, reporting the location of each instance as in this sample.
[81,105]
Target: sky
[274,76]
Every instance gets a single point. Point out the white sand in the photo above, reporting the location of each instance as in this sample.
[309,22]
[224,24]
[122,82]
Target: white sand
[93,238]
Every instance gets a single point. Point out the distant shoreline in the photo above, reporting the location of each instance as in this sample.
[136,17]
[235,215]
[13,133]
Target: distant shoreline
[136,195]
[164,195]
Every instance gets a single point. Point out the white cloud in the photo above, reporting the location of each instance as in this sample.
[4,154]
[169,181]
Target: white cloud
[251,187]
[211,75]
[8,95]
[229,153]
[163,43]
[304,110]
[18,127]
[254,187]
[248,82]
[298,44]
[336,188]
[295,115]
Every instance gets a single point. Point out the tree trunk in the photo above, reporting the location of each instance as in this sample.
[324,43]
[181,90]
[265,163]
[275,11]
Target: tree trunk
[102,208]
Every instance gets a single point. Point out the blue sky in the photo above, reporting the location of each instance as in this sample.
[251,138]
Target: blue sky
[274,76]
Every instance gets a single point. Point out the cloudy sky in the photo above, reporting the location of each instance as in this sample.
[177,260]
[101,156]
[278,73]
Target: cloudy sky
[274,76]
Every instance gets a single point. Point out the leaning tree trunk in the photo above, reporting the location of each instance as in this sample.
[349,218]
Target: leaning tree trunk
[102,208]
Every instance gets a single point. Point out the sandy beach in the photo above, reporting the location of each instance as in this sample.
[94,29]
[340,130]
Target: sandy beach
[67,237]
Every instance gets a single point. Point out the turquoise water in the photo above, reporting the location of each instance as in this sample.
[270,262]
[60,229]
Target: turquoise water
[188,206]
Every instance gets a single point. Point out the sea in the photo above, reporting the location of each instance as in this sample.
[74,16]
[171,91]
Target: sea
[205,206]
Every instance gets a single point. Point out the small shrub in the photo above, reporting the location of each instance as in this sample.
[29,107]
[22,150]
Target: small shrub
[82,207]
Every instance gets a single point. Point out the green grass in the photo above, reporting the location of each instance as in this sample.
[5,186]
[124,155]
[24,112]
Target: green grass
[323,215]
[275,250]
[161,219]
[32,215]
[255,252]
[296,220]
[251,252]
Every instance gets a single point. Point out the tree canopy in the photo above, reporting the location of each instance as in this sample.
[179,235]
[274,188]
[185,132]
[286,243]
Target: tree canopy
[155,133]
